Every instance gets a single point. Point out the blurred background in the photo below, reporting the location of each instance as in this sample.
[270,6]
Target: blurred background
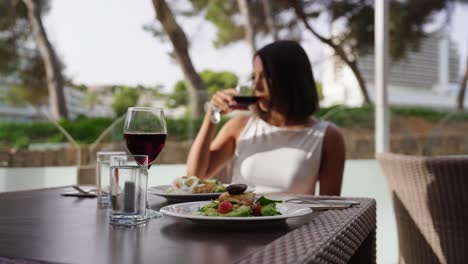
[70,69]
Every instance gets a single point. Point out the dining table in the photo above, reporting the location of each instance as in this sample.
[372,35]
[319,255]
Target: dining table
[42,226]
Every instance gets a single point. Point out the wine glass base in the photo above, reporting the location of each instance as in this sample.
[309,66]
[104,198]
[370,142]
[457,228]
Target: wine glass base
[150,213]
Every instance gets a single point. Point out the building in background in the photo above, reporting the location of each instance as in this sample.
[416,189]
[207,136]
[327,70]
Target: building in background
[428,77]
[9,113]
[74,98]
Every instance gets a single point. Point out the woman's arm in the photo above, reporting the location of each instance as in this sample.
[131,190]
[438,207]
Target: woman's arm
[332,162]
[206,157]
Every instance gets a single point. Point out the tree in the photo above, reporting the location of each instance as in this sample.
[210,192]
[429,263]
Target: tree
[21,64]
[355,17]
[225,16]
[270,20]
[462,90]
[53,68]
[31,87]
[249,30]
[179,41]
[407,19]
[124,98]
[215,81]
[464,80]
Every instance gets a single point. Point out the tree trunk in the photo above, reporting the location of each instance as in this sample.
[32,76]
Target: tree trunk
[195,84]
[462,91]
[352,64]
[362,84]
[248,27]
[55,82]
[267,9]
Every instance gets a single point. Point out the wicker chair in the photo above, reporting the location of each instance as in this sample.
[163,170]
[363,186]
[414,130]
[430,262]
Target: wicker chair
[430,198]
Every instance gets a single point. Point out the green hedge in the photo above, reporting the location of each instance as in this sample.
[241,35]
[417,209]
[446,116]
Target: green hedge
[87,130]
[83,130]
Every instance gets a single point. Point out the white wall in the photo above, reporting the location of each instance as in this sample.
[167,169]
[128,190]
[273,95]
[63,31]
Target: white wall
[16,179]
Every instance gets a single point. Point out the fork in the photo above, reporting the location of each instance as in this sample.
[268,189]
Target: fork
[81,190]
[323,201]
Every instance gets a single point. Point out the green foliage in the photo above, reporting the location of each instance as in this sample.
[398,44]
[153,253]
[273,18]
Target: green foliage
[319,87]
[223,15]
[22,142]
[87,130]
[407,20]
[363,117]
[349,117]
[32,85]
[186,128]
[215,81]
[124,98]
[84,130]
[21,67]
[179,97]
[430,115]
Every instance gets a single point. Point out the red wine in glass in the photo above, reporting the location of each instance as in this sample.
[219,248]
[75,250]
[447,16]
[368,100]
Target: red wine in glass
[150,144]
[243,101]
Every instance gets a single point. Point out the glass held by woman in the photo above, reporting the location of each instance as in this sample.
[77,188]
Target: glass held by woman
[279,146]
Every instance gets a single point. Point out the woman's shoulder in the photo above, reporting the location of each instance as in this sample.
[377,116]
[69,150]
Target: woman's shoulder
[238,121]
[331,130]
[333,135]
[236,124]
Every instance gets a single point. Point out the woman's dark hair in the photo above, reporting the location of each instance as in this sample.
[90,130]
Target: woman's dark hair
[290,80]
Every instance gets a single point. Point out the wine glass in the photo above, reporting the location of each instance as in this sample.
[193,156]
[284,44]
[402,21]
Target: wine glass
[145,134]
[244,99]
[245,96]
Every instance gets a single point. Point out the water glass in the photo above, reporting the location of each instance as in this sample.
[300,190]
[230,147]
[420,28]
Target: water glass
[129,180]
[103,175]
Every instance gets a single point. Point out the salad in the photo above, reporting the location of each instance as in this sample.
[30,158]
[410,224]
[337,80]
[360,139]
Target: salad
[193,184]
[236,203]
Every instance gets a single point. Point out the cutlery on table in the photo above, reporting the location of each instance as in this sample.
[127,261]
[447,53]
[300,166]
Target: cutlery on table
[322,201]
[80,192]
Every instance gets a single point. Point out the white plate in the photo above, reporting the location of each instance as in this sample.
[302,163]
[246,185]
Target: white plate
[161,190]
[186,210]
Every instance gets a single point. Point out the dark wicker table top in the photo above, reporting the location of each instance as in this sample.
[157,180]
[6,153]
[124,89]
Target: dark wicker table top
[42,226]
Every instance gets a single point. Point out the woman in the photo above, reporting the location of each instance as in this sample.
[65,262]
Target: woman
[281,146]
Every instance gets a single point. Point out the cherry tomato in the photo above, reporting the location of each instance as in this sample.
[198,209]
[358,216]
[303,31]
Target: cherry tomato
[224,207]
[256,209]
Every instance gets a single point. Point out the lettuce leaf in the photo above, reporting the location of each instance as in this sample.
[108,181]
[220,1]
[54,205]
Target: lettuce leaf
[264,201]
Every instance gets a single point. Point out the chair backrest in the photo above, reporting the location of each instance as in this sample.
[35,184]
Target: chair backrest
[430,198]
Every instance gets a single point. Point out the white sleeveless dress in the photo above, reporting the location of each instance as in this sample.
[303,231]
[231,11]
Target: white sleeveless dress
[275,159]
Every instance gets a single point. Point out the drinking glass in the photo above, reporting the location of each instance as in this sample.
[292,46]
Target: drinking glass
[145,134]
[129,182]
[103,175]
[244,98]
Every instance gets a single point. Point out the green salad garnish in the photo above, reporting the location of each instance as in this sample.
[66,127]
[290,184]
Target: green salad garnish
[261,207]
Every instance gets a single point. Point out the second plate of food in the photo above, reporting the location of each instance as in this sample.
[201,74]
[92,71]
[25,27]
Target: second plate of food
[162,190]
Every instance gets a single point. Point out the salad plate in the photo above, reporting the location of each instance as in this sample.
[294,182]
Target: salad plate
[161,190]
[186,211]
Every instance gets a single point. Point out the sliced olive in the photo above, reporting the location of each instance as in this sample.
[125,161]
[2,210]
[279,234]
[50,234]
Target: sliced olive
[236,188]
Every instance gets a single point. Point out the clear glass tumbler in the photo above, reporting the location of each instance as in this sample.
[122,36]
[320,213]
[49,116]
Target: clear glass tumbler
[103,175]
[129,182]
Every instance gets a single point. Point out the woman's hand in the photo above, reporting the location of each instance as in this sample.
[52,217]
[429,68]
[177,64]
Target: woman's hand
[223,100]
